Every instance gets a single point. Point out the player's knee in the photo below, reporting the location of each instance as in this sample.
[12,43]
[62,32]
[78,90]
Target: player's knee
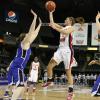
[52,63]
[68,72]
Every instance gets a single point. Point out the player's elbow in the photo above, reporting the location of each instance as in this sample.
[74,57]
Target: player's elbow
[69,31]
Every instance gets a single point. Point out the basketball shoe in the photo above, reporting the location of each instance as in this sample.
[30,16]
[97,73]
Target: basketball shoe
[6,95]
[70,96]
[48,83]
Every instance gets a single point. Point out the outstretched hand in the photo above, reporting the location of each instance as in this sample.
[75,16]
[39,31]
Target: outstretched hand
[33,13]
[98,15]
[92,62]
[98,12]
[52,11]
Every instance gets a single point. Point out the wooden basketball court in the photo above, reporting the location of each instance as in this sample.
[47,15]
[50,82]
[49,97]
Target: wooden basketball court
[55,93]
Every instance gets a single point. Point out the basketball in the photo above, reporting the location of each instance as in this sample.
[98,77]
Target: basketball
[50,5]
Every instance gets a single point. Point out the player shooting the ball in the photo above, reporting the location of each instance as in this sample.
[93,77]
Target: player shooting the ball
[64,52]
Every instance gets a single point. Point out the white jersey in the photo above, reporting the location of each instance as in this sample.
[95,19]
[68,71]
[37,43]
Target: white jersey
[65,39]
[34,71]
[35,66]
[65,51]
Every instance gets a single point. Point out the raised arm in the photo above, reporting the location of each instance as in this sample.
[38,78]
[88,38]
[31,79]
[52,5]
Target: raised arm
[97,39]
[94,62]
[98,62]
[62,30]
[97,21]
[31,35]
[32,27]
[58,27]
[51,17]
[52,20]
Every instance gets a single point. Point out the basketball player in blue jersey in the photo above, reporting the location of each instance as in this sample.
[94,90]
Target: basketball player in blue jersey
[96,87]
[16,69]
[64,52]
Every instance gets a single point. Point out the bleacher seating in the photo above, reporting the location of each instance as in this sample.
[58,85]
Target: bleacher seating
[3,81]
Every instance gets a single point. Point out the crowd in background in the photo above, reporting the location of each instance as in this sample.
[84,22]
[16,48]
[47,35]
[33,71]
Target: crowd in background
[79,79]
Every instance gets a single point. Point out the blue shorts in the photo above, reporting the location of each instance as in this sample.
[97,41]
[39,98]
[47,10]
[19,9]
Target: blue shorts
[16,76]
[96,87]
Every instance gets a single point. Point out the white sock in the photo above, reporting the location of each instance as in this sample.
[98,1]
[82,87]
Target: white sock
[49,77]
[70,86]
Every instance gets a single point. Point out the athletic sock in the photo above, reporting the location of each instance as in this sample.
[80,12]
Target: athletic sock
[70,89]
[50,80]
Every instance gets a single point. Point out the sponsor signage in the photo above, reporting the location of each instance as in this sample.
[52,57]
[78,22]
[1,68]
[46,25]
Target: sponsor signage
[11,16]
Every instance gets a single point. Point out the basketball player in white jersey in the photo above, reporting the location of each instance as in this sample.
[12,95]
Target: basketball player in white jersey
[64,52]
[22,56]
[33,75]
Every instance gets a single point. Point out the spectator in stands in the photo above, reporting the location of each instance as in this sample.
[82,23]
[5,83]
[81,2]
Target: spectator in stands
[63,79]
[75,79]
[88,79]
[84,80]
[45,76]
[55,79]
[2,73]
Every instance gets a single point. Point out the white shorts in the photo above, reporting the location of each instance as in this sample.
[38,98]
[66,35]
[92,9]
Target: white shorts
[74,63]
[65,55]
[33,76]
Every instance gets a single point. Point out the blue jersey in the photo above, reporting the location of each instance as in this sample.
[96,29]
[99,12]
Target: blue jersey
[21,58]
